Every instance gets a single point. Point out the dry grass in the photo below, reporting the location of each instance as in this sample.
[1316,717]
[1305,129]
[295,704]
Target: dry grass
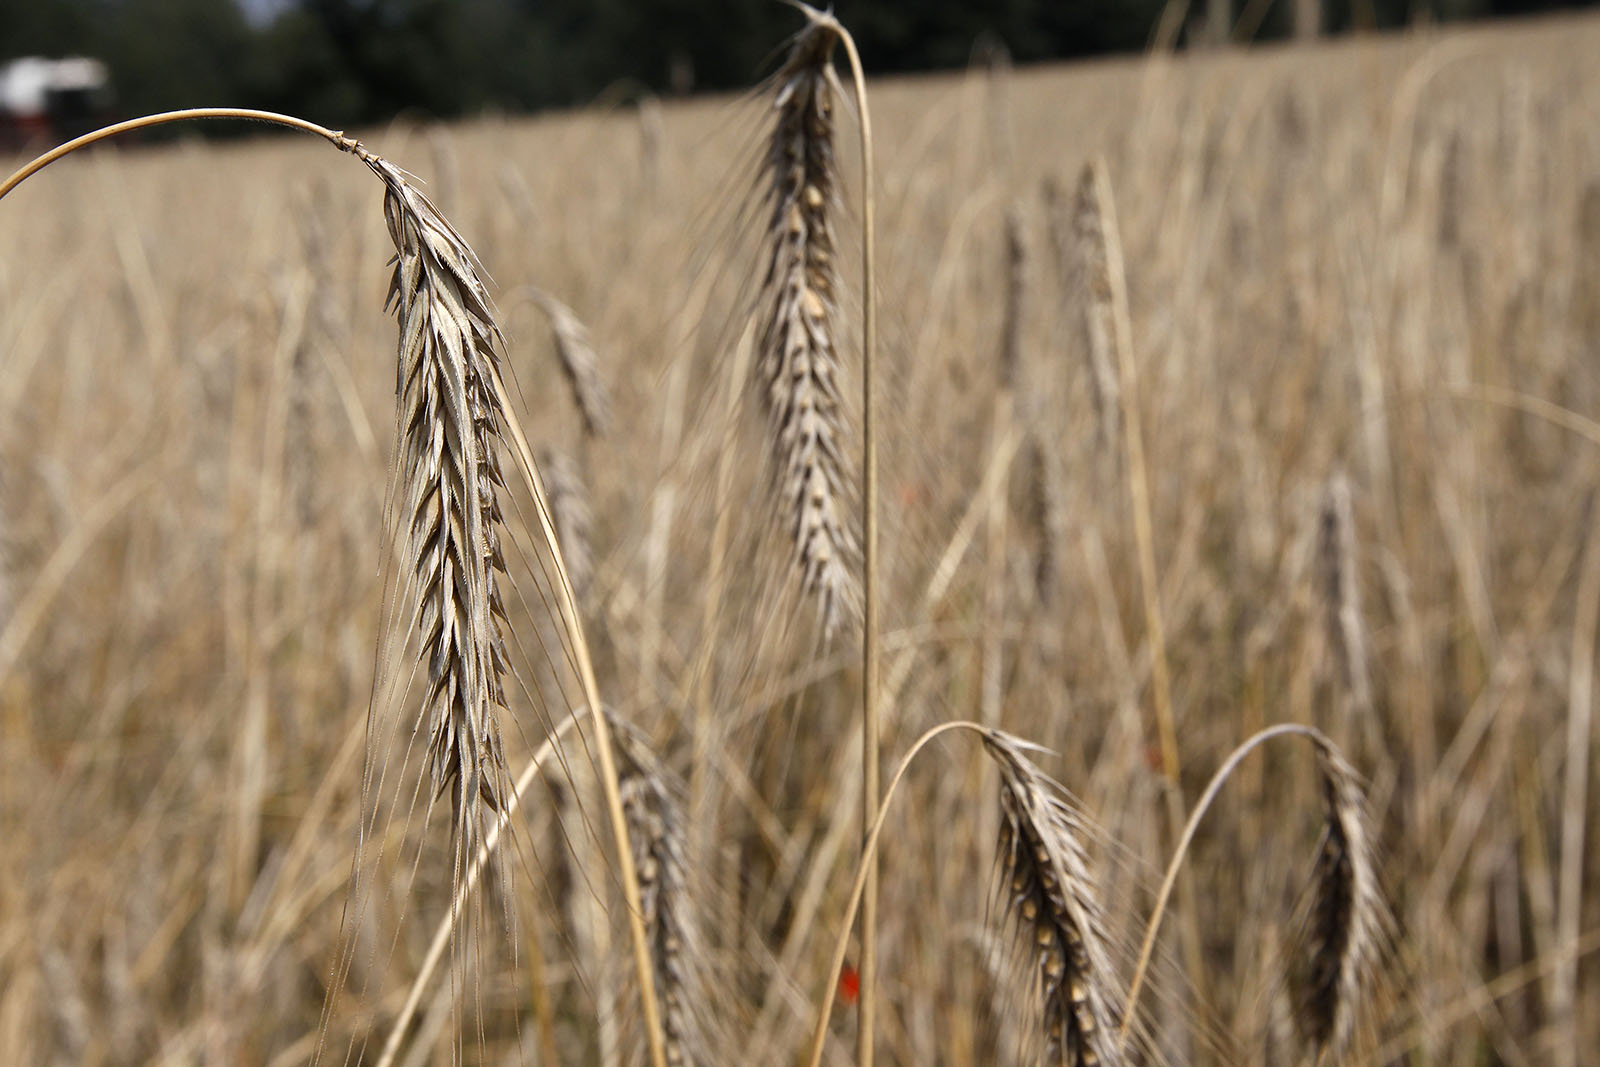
[1376,258]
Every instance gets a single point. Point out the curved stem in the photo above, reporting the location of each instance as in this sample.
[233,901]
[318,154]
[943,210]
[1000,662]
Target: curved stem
[1529,404]
[447,925]
[869,854]
[336,137]
[1182,850]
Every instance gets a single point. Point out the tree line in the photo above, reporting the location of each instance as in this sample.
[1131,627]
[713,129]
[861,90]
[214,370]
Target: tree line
[350,62]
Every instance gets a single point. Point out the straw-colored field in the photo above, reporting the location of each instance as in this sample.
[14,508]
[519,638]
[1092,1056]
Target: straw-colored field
[1365,307]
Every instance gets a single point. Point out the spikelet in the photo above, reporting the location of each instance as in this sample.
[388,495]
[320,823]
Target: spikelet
[447,497]
[1048,895]
[579,364]
[1347,928]
[798,362]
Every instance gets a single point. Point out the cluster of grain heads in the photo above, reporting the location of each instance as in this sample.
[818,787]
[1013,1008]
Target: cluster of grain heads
[798,371]
[447,494]
[1047,895]
[798,330]
[1347,927]
[579,364]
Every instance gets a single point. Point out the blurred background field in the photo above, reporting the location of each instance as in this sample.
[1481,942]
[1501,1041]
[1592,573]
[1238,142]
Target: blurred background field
[1365,287]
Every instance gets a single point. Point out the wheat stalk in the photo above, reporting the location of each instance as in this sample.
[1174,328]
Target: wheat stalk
[797,362]
[1048,895]
[798,370]
[1347,927]
[453,411]
[453,420]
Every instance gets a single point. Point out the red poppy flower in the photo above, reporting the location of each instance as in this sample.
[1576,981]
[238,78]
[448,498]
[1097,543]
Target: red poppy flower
[849,984]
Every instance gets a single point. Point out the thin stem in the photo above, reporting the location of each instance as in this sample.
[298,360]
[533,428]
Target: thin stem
[1139,484]
[336,137]
[1144,539]
[868,864]
[1182,850]
[1575,806]
[869,578]
[1529,404]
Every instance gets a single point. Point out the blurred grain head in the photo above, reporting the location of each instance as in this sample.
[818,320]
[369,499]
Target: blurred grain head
[798,365]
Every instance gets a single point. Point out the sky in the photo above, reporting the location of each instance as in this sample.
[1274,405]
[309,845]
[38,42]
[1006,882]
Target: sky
[261,12]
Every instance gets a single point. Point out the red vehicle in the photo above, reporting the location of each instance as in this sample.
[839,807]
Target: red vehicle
[46,101]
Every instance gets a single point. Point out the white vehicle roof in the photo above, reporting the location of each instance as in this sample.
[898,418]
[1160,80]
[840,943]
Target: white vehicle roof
[25,84]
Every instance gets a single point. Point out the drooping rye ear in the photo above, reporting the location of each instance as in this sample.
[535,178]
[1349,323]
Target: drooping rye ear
[1047,893]
[448,483]
[1348,928]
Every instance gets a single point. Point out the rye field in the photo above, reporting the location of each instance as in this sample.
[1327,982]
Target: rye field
[1212,393]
